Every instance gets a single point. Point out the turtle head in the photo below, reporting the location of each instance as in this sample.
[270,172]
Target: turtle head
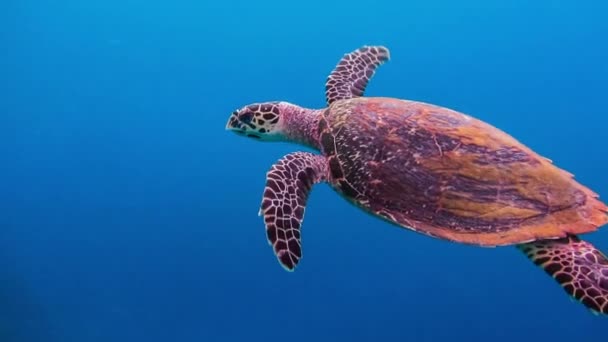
[276,121]
[262,121]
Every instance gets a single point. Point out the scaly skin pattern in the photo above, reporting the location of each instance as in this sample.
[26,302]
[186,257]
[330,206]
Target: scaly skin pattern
[350,77]
[577,266]
[448,175]
[288,185]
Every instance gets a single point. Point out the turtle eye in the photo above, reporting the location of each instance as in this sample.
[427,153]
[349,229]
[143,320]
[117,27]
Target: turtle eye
[246,117]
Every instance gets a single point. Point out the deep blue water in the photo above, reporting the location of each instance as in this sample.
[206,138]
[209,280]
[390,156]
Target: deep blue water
[128,213]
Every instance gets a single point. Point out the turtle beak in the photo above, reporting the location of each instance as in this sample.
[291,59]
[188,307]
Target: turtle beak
[233,123]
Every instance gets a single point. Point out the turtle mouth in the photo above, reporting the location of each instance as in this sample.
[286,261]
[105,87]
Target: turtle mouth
[239,128]
[233,124]
[245,134]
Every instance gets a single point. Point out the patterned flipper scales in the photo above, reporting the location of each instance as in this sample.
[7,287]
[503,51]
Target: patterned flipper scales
[577,266]
[350,77]
[288,184]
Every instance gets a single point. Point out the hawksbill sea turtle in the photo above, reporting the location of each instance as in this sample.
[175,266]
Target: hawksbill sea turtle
[429,169]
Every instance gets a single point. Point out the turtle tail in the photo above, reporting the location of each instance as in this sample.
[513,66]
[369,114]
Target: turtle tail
[579,267]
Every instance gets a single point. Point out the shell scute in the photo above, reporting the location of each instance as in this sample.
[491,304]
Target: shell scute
[446,174]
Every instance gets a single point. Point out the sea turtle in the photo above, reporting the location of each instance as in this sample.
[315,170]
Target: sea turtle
[429,169]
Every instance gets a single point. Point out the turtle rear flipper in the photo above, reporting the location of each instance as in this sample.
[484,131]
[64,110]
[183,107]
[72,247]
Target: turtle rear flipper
[579,267]
[288,184]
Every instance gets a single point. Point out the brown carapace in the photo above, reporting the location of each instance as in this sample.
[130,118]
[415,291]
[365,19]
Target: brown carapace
[429,169]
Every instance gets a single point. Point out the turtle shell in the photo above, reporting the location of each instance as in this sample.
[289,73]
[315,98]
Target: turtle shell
[448,175]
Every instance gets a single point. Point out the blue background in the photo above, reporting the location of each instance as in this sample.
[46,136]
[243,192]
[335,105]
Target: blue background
[129,213]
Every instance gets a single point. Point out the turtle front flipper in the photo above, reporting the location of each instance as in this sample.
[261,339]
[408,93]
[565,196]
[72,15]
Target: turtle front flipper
[350,77]
[579,267]
[288,184]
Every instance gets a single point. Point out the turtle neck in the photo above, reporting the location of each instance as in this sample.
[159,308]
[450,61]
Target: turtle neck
[300,125]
